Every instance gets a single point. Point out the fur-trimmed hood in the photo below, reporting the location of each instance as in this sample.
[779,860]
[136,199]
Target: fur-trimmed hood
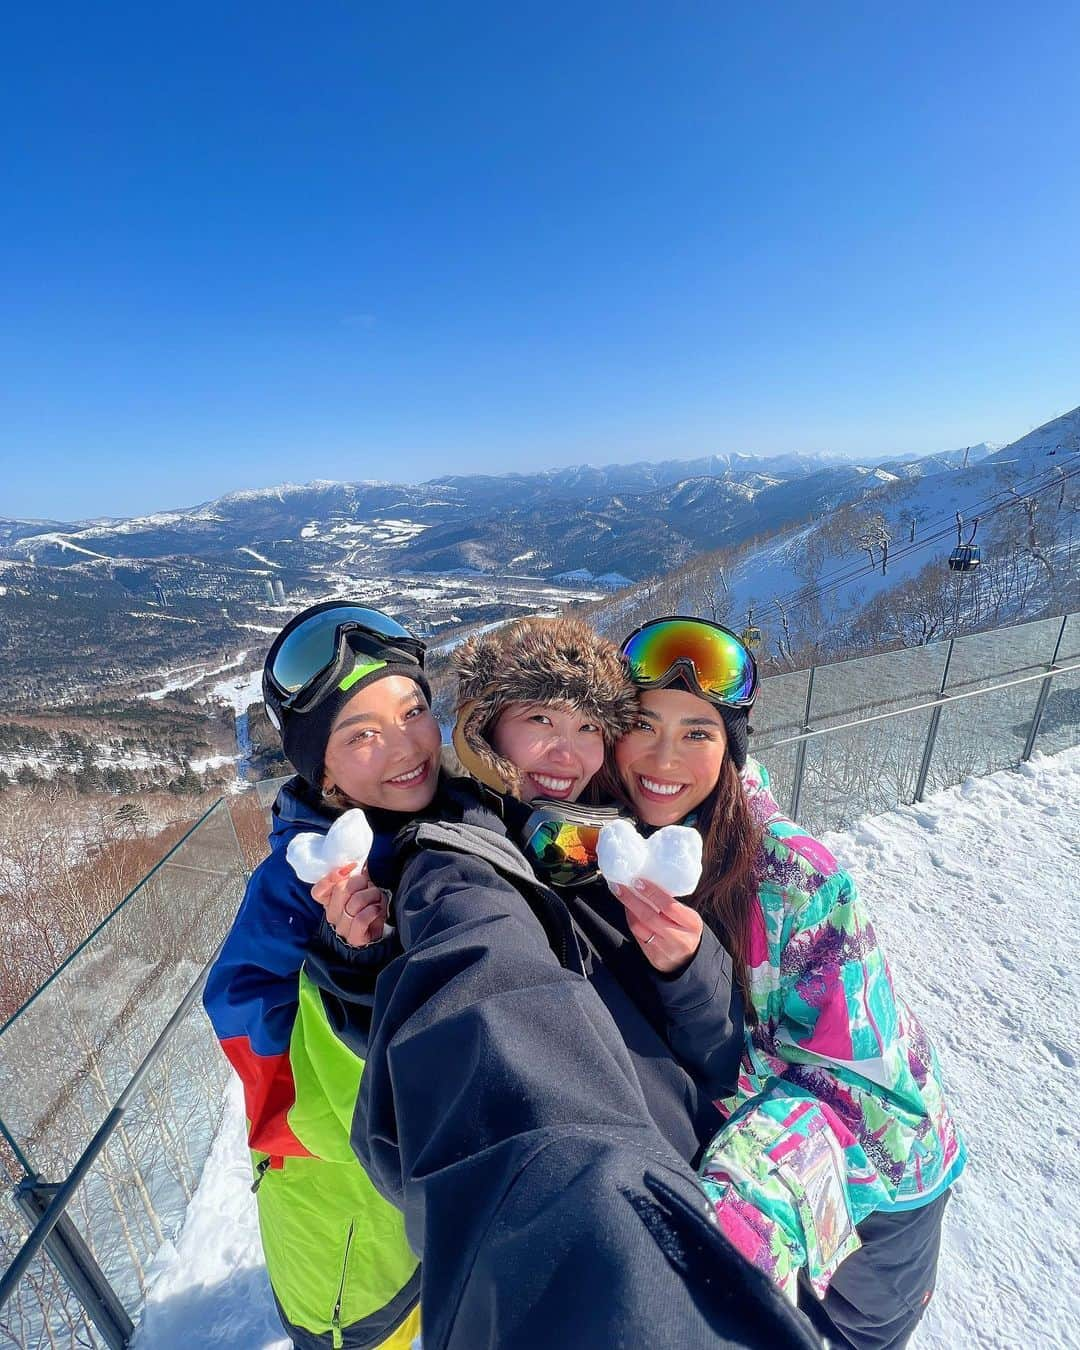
[562,662]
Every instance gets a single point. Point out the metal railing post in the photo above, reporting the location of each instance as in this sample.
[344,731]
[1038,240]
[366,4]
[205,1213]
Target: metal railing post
[1040,708]
[1044,694]
[800,754]
[1060,638]
[75,1262]
[931,734]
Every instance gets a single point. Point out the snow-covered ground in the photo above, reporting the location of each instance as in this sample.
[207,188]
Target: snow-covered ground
[976,896]
[241,692]
[211,1289]
[180,679]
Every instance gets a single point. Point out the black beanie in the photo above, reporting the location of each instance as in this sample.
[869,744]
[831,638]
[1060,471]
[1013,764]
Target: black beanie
[737,725]
[304,735]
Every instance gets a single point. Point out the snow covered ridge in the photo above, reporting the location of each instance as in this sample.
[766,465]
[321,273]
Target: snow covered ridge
[184,679]
[610,581]
[975,896]
[746,476]
[830,582]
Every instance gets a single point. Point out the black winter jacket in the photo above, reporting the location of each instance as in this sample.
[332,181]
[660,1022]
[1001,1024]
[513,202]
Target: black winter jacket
[539,1153]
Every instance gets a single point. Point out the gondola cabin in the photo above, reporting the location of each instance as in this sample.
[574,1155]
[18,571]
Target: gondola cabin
[965,558]
[751,638]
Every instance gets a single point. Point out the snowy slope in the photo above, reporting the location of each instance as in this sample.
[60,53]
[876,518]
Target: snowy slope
[976,897]
[824,561]
[778,567]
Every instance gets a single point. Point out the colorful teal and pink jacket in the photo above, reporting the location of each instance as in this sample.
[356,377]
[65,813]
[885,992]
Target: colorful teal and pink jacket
[840,1109]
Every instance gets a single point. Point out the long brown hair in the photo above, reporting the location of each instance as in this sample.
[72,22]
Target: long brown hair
[727,892]
[726,896]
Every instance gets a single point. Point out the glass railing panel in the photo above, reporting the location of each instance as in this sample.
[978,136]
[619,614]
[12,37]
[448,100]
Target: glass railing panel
[267,789]
[980,659]
[70,1050]
[779,713]
[862,770]
[875,684]
[1060,725]
[42,1313]
[136,1195]
[986,733]
[981,735]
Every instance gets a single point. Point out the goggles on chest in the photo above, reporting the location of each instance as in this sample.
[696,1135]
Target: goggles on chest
[560,838]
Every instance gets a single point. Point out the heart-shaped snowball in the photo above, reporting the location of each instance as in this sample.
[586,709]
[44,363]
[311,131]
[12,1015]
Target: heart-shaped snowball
[674,862]
[620,853]
[670,858]
[348,840]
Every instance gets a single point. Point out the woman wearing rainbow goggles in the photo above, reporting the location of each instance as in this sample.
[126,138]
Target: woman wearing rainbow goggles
[834,1167]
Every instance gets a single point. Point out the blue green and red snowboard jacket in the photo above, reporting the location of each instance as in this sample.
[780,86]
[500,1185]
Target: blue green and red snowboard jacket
[336,1252]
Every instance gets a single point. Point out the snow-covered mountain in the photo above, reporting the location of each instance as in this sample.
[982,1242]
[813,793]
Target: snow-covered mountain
[826,582]
[969,456]
[123,598]
[648,515]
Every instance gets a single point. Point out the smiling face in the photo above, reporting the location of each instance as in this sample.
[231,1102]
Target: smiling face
[557,749]
[669,761]
[384,747]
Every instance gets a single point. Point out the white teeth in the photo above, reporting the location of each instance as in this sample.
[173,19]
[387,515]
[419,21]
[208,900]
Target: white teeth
[555,784]
[664,789]
[410,776]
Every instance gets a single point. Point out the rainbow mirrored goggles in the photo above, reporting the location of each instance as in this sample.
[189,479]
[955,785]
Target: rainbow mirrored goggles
[710,657]
[560,839]
[311,652]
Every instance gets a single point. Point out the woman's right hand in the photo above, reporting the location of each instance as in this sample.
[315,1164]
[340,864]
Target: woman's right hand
[355,907]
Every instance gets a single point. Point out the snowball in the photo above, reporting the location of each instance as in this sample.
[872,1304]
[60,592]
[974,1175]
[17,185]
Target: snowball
[671,858]
[620,853]
[304,853]
[348,840]
[674,861]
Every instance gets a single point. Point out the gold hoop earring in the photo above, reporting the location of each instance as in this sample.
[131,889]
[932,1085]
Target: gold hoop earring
[335,799]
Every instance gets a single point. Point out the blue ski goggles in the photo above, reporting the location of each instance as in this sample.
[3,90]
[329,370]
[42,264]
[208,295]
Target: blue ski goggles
[311,652]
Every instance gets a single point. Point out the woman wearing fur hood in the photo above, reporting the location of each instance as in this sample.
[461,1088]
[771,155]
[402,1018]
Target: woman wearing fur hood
[540,701]
[525,673]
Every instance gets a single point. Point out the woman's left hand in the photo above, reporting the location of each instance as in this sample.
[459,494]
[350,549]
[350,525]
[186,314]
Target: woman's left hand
[666,930]
[355,907]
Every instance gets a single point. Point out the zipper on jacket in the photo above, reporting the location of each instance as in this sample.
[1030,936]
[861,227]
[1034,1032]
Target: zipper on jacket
[335,1322]
[260,1172]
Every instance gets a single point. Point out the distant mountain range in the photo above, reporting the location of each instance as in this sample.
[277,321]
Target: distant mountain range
[629,519]
[111,603]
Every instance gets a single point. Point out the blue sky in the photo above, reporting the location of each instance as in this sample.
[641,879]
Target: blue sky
[242,244]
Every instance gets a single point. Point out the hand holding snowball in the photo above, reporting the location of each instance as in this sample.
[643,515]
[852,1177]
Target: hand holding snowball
[335,866]
[670,858]
[355,906]
[646,875]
